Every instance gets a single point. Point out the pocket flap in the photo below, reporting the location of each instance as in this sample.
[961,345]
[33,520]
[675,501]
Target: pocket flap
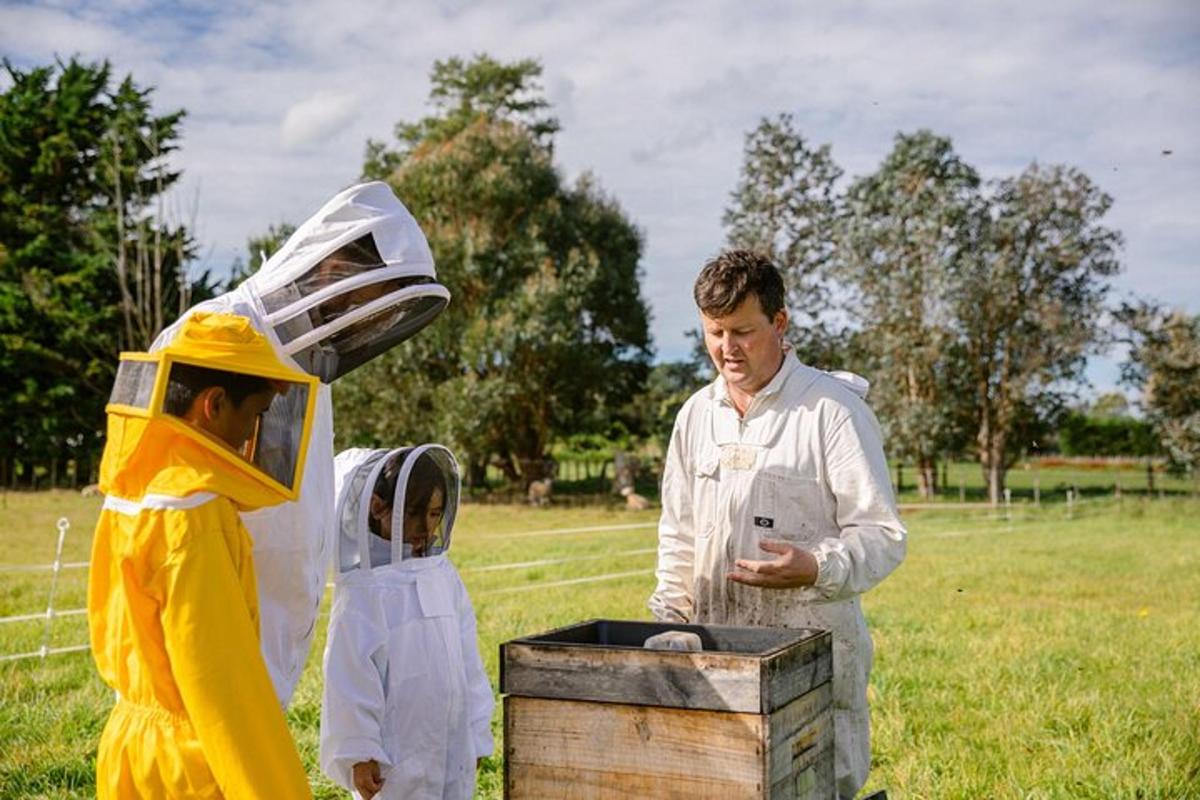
[435,598]
[707,466]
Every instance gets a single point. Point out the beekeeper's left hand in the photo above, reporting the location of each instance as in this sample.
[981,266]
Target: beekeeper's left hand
[791,569]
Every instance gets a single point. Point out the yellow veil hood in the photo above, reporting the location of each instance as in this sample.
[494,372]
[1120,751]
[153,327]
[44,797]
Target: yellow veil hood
[149,451]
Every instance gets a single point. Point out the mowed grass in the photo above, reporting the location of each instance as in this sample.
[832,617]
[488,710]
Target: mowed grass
[1033,657]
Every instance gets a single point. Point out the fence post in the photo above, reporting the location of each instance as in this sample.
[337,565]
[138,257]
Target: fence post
[1007,503]
[1037,491]
[63,525]
[962,489]
[1070,502]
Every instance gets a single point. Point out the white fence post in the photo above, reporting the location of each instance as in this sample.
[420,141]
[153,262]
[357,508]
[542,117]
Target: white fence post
[63,526]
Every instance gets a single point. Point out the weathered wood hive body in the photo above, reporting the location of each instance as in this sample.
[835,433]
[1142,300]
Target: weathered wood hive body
[589,713]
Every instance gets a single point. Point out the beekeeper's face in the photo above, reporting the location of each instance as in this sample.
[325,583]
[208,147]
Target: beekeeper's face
[746,346]
[335,268]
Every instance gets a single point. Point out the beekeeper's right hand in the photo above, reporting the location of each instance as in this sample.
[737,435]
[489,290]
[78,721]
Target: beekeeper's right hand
[367,778]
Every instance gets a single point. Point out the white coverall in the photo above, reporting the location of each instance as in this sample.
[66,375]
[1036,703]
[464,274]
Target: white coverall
[404,682]
[293,541]
[805,464]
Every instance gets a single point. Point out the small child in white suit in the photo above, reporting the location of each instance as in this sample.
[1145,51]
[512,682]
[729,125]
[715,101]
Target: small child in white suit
[407,707]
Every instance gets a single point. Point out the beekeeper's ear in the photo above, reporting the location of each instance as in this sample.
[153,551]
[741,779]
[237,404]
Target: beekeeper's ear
[780,323]
[379,508]
[209,404]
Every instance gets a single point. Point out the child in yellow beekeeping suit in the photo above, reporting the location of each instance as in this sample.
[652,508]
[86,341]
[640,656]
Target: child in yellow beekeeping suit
[199,431]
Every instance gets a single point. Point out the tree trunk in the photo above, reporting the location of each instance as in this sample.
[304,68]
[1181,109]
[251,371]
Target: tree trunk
[509,469]
[477,473]
[995,478]
[926,478]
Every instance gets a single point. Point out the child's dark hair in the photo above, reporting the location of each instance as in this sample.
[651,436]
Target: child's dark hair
[423,481]
[188,380]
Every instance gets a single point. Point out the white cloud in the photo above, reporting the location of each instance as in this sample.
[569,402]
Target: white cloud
[316,119]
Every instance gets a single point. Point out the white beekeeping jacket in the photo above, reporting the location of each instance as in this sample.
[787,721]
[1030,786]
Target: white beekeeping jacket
[353,280]
[805,464]
[404,682]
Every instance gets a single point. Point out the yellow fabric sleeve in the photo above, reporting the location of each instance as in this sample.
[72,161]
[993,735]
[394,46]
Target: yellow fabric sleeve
[211,637]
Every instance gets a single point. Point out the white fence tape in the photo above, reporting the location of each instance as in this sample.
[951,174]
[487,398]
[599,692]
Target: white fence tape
[50,612]
[549,561]
[49,651]
[611,576]
[42,567]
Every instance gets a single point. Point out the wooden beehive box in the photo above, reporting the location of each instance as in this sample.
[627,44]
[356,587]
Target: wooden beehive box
[589,713]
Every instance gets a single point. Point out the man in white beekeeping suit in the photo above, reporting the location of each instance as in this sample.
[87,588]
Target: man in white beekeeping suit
[354,280]
[777,505]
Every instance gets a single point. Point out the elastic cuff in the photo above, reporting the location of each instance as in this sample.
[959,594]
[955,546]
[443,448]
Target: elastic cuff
[828,573]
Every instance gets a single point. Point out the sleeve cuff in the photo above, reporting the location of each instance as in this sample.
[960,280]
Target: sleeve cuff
[830,573]
[340,763]
[481,739]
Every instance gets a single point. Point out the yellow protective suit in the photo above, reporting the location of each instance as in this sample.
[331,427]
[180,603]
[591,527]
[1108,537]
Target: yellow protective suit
[173,611]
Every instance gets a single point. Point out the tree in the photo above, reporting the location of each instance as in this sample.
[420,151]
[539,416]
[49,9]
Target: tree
[88,266]
[902,233]
[1164,362]
[1111,405]
[785,206]
[1028,302]
[1081,434]
[547,332]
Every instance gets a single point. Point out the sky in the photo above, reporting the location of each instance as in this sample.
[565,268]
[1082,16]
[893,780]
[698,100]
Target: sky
[655,100]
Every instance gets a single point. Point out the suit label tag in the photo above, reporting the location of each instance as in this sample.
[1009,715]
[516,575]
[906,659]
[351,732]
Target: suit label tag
[737,456]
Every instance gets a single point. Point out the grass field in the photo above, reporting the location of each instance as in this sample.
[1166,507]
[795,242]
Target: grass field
[1031,657]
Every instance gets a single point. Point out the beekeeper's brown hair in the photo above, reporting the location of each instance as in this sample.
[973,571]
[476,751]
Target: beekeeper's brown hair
[727,280]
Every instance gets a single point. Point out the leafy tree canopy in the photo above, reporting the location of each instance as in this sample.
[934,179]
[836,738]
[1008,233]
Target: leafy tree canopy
[547,333]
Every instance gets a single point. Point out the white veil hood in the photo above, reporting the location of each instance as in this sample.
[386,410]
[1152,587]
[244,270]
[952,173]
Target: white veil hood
[354,280]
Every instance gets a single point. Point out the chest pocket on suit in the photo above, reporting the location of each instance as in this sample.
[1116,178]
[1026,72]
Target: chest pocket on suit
[435,598]
[786,506]
[706,487]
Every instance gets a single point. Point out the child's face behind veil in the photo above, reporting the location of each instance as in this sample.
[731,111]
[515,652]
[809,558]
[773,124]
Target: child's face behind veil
[420,523]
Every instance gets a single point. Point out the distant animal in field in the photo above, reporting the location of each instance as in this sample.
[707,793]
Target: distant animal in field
[539,492]
[633,500]
[91,490]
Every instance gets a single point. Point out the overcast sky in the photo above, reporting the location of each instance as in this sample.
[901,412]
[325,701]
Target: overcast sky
[656,98]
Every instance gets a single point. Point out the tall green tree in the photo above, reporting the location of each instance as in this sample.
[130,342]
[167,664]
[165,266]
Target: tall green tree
[1164,363]
[785,206]
[547,332]
[1028,303]
[88,263]
[903,230]
[667,388]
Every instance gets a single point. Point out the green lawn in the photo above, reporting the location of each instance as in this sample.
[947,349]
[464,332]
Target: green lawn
[1030,657]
